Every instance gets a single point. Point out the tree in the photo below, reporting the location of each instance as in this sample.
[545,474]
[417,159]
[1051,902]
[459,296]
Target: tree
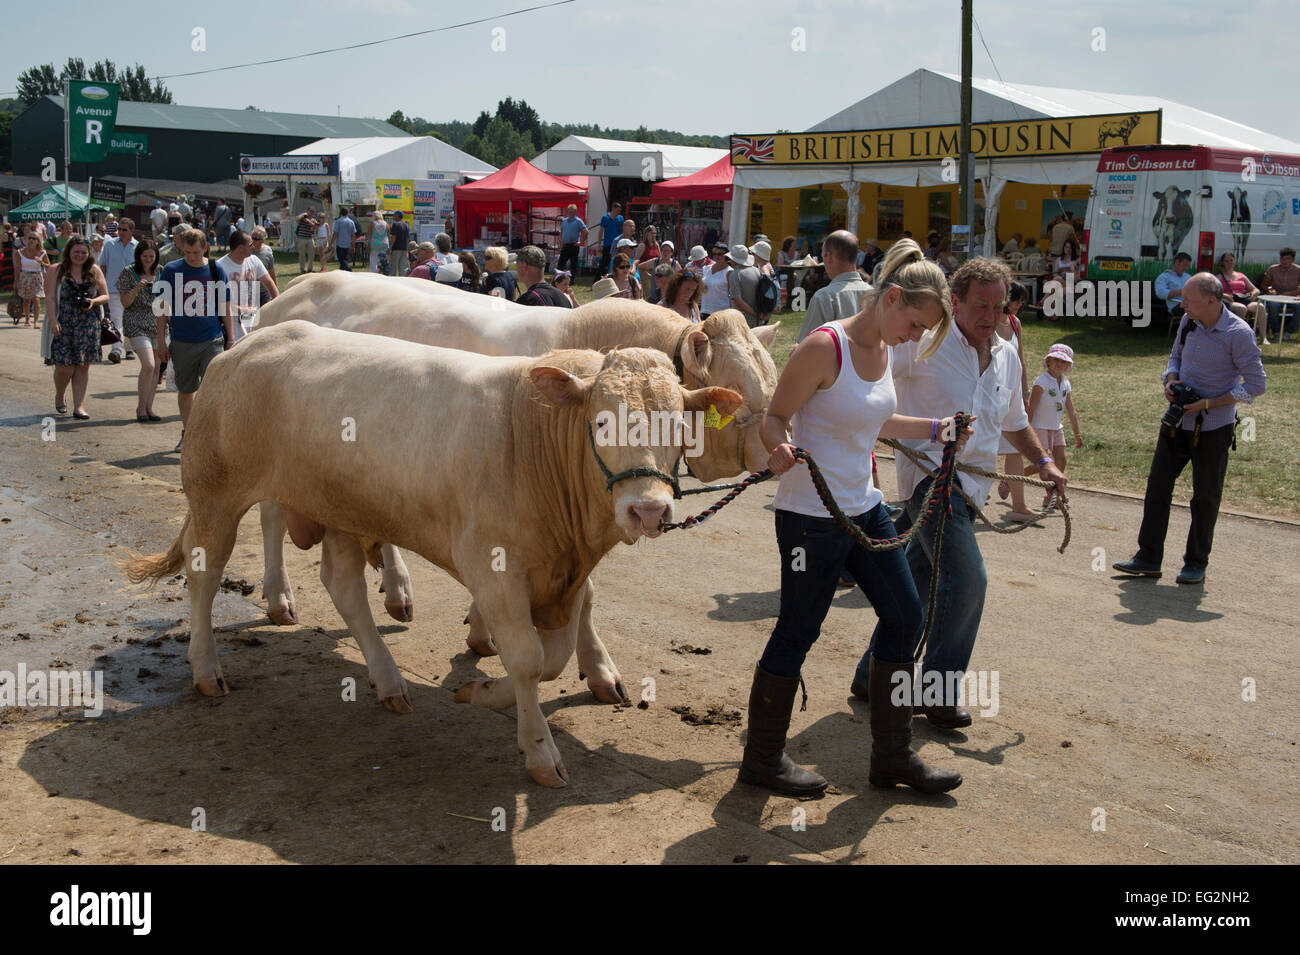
[500,145]
[135,85]
[399,120]
[522,117]
[481,124]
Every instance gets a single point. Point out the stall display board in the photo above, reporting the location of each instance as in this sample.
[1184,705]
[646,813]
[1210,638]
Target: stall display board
[434,203]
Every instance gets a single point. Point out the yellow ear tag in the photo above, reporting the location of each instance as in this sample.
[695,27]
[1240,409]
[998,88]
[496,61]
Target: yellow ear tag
[713,418]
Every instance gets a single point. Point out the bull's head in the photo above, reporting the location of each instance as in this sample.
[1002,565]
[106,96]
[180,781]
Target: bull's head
[634,387]
[724,351]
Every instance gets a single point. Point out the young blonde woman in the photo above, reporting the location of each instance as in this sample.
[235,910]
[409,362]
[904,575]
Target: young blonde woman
[835,398]
[30,286]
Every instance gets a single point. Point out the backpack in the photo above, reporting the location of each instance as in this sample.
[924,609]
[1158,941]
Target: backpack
[766,295]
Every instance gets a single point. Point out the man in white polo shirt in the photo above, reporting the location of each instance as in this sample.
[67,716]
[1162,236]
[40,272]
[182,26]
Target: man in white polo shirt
[118,254]
[975,370]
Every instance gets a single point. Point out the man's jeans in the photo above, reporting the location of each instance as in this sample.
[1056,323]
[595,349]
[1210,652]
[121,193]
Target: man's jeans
[814,551]
[1209,466]
[1275,317]
[959,601]
[345,258]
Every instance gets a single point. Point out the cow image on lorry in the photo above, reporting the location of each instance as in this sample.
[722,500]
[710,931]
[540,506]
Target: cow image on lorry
[1151,202]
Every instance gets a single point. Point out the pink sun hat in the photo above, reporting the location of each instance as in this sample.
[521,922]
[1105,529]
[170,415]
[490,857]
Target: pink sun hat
[1063,352]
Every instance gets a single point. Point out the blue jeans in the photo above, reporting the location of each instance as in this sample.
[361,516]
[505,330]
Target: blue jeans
[808,582]
[345,258]
[1275,317]
[959,601]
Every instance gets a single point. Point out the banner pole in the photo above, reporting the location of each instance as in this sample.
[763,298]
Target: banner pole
[67,147]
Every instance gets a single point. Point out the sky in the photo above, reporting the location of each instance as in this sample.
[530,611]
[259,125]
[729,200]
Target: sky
[697,67]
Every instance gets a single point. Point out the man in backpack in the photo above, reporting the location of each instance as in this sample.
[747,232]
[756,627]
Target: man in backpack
[530,267]
[768,293]
[742,283]
[426,261]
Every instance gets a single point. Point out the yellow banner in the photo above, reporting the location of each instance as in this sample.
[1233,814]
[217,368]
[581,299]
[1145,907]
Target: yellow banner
[1065,136]
[396,194]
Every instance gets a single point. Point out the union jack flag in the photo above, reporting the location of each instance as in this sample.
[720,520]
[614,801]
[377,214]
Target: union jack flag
[753,148]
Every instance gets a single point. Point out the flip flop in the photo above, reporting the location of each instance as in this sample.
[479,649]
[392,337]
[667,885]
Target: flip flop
[60,409]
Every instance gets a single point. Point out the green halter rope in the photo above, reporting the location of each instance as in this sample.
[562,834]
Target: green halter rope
[611,479]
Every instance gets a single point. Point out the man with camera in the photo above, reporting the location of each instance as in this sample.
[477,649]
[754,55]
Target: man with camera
[1215,363]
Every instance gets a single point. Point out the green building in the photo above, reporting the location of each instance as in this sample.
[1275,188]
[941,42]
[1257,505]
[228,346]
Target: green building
[194,143]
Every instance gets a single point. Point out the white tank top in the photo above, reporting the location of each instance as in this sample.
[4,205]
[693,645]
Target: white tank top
[838,426]
[28,264]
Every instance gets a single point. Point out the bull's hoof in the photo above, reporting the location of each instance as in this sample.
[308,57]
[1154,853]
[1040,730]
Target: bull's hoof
[609,692]
[403,612]
[212,686]
[554,777]
[481,643]
[466,693]
[283,617]
[397,704]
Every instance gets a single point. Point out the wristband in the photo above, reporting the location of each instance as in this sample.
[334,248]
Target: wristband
[934,429]
[1044,461]
[1207,404]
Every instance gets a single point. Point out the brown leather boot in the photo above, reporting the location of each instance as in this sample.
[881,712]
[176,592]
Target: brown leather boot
[771,700]
[892,759]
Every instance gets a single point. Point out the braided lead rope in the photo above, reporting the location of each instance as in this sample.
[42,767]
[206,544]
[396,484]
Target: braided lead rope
[1056,505]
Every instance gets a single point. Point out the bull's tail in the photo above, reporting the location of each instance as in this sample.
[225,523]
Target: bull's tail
[155,567]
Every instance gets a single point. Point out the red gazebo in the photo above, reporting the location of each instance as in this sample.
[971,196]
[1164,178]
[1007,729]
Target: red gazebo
[711,182]
[519,185]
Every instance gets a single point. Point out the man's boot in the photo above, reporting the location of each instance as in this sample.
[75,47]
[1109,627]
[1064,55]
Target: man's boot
[771,700]
[892,759]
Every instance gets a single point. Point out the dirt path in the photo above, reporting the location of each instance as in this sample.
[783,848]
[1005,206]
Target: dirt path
[1121,695]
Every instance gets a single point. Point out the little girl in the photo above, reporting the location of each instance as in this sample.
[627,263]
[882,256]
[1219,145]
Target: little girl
[1050,396]
[564,282]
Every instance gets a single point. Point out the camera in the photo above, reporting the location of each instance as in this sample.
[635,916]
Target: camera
[80,299]
[1184,394]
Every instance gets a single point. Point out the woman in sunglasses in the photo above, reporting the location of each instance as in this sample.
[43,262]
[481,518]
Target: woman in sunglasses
[625,278]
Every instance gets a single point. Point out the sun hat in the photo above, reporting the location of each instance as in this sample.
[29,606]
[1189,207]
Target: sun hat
[740,255]
[624,243]
[669,243]
[1063,352]
[698,254]
[762,249]
[603,288]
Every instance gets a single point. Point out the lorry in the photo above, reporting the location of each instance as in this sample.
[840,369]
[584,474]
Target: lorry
[1150,202]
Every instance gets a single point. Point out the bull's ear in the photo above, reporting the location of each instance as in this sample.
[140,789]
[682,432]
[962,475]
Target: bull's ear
[558,386]
[725,400]
[696,354]
[766,335]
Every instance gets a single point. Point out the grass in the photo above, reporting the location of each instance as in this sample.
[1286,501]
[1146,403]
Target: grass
[1119,400]
[1118,397]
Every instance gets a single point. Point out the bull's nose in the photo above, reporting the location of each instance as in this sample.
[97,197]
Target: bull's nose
[651,514]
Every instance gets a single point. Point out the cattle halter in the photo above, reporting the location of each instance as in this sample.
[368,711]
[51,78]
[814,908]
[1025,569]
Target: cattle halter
[611,478]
